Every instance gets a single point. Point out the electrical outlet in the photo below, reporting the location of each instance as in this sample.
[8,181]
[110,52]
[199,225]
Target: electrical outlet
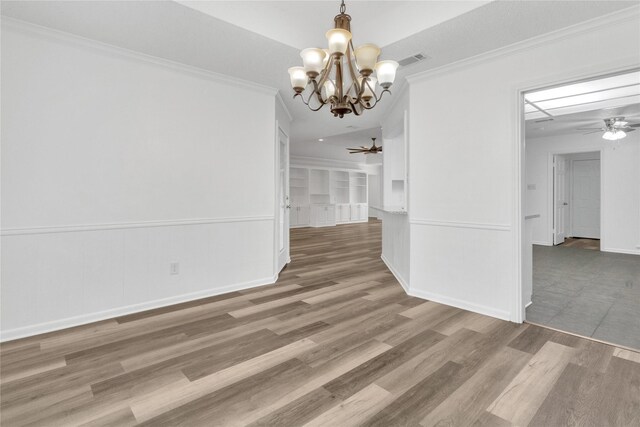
[174,268]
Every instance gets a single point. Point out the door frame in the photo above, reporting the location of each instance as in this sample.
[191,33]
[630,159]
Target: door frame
[550,195]
[278,263]
[519,188]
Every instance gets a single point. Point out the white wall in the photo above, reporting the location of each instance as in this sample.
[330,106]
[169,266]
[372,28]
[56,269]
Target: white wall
[464,208]
[115,165]
[396,239]
[620,196]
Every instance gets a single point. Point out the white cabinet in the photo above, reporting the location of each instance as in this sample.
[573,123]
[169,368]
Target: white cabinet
[299,216]
[322,197]
[343,213]
[323,215]
[359,212]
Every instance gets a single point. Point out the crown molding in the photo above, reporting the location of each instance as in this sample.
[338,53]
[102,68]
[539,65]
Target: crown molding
[283,105]
[83,42]
[628,14]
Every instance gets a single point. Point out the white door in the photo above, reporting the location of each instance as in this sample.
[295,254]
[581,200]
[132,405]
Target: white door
[284,204]
[585,212]
[560,203]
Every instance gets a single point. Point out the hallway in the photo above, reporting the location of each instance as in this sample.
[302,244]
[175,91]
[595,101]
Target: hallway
[335,342]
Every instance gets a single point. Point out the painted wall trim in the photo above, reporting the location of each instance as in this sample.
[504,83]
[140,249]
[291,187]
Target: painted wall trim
[628,14]
[283,105]
[84,319]
[125,225]
[460,224]
[61,36]
[396,274]
[541,243]
[465,305]
[621,251]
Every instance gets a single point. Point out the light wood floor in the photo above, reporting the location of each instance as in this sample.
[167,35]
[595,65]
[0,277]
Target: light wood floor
[335,343]
[574,242]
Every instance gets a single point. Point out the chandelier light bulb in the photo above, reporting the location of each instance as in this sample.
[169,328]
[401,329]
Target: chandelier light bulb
[329,89]
[368,92]
[366,57]
[338,40]
[298,78]
[313,60]
[386,72]
[327,56]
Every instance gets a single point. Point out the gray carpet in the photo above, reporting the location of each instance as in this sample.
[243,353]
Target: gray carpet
[586,292]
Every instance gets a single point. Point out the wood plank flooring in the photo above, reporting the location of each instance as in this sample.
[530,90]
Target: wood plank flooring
[336,342]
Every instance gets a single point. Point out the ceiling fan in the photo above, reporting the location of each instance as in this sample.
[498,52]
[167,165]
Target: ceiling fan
[614,128]
[366,150]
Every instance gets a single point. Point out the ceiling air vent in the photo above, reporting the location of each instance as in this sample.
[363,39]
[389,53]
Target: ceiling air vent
[412,59]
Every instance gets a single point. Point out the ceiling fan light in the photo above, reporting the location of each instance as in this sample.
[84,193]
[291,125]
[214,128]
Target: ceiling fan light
[366,57]
[298,78]
[620,134]
[386,72]
[609,136]
[338,40]
[313,60]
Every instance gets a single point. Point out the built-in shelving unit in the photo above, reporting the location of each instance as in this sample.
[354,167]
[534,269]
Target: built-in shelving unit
[323,197]
[299,186]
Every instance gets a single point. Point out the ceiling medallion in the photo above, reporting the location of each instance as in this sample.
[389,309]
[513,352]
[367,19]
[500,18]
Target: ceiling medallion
[341,75]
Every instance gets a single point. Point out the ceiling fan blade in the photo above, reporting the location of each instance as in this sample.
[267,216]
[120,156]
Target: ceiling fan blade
[634,125]
[602,129]
[595,131]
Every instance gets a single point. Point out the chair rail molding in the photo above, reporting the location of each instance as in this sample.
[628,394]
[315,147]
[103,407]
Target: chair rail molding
[125,225]
[461,224]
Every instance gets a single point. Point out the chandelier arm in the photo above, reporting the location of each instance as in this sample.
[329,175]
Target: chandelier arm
[377,99]
[326,73]
[317,90]
[308,104]
[354,78]
[339,81]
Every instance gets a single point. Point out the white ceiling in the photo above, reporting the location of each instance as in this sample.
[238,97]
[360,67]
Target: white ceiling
[172,31]
[567,109]
[302,24]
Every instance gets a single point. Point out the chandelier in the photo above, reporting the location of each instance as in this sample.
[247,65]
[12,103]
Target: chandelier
[341,75]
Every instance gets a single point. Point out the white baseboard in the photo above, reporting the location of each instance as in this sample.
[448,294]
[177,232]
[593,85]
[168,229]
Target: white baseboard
[397,275]
[465,305]
[621,251]
[541,243]
[83,319]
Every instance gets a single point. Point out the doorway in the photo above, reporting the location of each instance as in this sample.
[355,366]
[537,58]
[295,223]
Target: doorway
[581,196]
[283,200]
[576,199]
